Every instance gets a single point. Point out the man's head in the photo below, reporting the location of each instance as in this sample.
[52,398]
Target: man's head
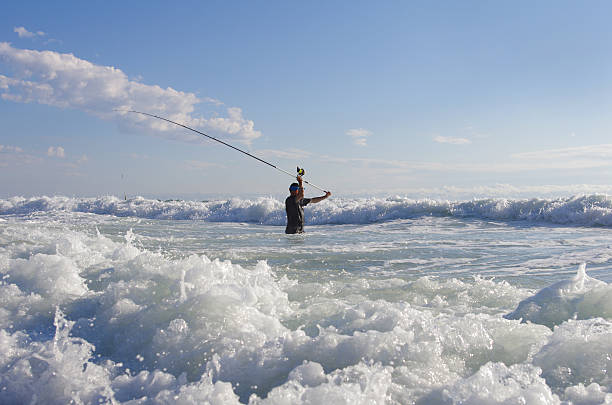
[294,188]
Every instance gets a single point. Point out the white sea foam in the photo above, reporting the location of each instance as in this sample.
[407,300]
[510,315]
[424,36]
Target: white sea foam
[589,210]
[496,383]
[578,352]
[93,319]
[581,297]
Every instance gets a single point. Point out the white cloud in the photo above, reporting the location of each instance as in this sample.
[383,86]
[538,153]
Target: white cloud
[359,136]
[358,133]
[10,149]
[291,153]
[360,141]
[213,101]
[389,166]
[584,152]
[65,81]
[15,156]
[494,191]
[56,151]
[452,140]
[585,157]
[24,33]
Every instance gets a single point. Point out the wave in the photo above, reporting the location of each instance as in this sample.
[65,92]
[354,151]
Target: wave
[585,210]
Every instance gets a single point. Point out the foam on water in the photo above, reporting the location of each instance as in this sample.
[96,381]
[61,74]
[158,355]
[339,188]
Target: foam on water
[578,352]
[581,297]
[89,319]
[588,210]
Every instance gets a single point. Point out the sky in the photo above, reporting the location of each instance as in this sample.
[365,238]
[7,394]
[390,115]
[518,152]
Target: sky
[437,99]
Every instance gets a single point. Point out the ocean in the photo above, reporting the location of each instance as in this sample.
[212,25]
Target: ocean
[382,301]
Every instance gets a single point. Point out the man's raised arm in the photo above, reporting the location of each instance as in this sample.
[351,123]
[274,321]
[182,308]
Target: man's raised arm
[300,193]
[317,199]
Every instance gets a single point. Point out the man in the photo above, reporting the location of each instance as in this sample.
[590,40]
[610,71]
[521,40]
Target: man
[294,205]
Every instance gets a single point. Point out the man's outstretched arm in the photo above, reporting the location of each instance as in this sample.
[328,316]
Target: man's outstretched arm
[317,199]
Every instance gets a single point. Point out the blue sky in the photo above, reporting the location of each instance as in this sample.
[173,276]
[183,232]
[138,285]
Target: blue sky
[441,99]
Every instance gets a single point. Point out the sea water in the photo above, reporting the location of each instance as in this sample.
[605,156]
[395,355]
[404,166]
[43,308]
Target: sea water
[381,301]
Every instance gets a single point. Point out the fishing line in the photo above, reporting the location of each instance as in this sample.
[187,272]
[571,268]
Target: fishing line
[300,171]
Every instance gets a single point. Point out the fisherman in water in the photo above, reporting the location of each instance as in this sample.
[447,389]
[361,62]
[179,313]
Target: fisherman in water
[294,205]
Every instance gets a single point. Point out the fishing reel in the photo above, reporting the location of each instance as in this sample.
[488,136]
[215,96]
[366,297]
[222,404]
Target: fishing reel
[301,172]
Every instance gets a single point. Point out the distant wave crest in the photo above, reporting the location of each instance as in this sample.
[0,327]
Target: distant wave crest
[587,210]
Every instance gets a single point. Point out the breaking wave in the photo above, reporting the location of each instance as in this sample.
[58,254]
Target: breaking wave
[587,210]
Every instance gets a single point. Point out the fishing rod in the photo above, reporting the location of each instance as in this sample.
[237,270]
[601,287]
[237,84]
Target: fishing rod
[300,171]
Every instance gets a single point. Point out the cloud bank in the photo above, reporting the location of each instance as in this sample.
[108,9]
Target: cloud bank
[491,191]
[66,81]
[603,151]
